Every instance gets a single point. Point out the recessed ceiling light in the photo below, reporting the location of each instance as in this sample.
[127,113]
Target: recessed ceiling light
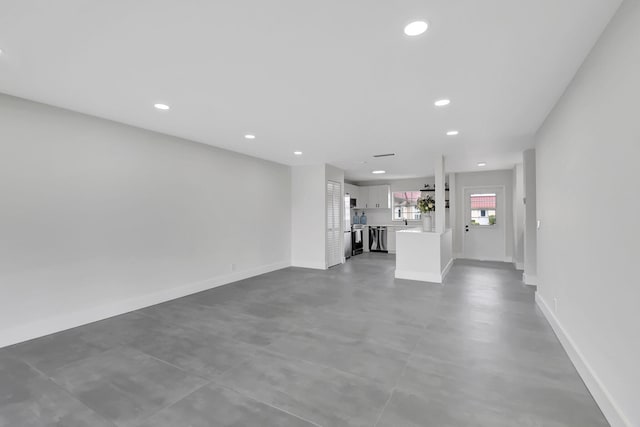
[378,172]
[161,106]
[298,153]
[482,164]
[249,136]
[442,102]
[416,28]
[452,133]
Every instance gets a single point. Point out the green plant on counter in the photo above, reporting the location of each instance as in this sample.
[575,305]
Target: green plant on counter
[426,204]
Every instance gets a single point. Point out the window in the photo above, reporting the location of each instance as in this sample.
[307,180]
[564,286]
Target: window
[405,205]
[483,209]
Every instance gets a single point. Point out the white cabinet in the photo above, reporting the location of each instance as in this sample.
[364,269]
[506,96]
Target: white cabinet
[370,197]
[356,192]
[363,198]
[384,196]
[391,239]
[378,197]
[351,189]
[365,239]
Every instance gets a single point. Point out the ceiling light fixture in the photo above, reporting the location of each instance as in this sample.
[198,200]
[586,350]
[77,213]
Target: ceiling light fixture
[442,102]
[416,28]
[298,153]
[452,133]
[249,136]
[378,172]
[161,106]
[482,164]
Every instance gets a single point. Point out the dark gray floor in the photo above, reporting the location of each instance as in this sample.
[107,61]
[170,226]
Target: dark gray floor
[344,347]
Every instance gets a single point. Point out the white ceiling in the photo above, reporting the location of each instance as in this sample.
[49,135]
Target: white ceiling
[335,79]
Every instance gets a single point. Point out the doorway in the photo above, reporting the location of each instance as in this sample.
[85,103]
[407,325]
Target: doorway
[484,223]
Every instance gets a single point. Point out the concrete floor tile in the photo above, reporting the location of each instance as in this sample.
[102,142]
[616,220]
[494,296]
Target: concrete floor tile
[298,346]
[215,406]
[126,386]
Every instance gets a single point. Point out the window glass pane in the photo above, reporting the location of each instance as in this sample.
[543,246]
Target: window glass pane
[405,205]
[483,209]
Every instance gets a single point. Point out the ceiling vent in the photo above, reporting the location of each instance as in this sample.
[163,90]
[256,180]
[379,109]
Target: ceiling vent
[385,155]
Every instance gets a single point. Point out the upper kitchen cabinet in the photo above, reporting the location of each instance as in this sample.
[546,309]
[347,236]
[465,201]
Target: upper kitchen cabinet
[352,190]
[363,198]
[379,197]
[371,197]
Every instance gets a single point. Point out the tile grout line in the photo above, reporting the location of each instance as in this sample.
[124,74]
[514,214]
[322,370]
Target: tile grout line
[395,387]
[61,388]
[193,329]
[126,393]
[277,353]
[242,393]
[310,362]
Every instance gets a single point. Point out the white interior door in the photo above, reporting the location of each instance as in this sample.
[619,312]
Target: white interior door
[484,223]
[334,228]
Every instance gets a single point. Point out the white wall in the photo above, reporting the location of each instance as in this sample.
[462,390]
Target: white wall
[518,216]
[308,216]
[588,251]
[530,218]
[99,218]
[502,178]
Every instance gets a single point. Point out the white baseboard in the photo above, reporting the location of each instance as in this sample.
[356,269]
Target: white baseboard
[419,276]
[309,264]
[447,268]
[603,398]
[78,318]
[503,259]
[530,279]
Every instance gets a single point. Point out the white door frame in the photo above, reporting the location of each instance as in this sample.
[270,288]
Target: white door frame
[501,209]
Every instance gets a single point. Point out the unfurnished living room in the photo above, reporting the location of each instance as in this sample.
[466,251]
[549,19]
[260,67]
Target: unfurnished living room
[336,213]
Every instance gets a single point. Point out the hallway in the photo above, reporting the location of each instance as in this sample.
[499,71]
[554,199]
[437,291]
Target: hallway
[347,346]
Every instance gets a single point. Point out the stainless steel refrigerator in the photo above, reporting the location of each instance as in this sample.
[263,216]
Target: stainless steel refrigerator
[347,226]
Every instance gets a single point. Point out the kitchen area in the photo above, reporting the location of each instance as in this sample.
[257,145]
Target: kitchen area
[385,218]
[374,214]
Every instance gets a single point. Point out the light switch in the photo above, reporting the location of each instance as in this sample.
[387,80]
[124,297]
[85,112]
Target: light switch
[538,225]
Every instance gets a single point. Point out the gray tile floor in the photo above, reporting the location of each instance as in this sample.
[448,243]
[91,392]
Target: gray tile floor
[349,346]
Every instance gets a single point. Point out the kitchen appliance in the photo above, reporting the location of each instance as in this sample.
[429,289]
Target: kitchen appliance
[347,226]
[357,239]
[378,239]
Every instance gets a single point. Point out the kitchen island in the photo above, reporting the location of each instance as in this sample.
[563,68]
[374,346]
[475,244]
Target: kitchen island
[422,255]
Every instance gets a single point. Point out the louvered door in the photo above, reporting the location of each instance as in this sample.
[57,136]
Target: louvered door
[334,228]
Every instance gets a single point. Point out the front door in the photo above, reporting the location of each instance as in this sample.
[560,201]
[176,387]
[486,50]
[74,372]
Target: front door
[484,223]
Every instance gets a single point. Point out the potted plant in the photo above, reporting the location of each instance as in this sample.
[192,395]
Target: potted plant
[426,205]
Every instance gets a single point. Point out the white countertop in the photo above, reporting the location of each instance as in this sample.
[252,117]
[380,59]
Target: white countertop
[419,230]
[390,225]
